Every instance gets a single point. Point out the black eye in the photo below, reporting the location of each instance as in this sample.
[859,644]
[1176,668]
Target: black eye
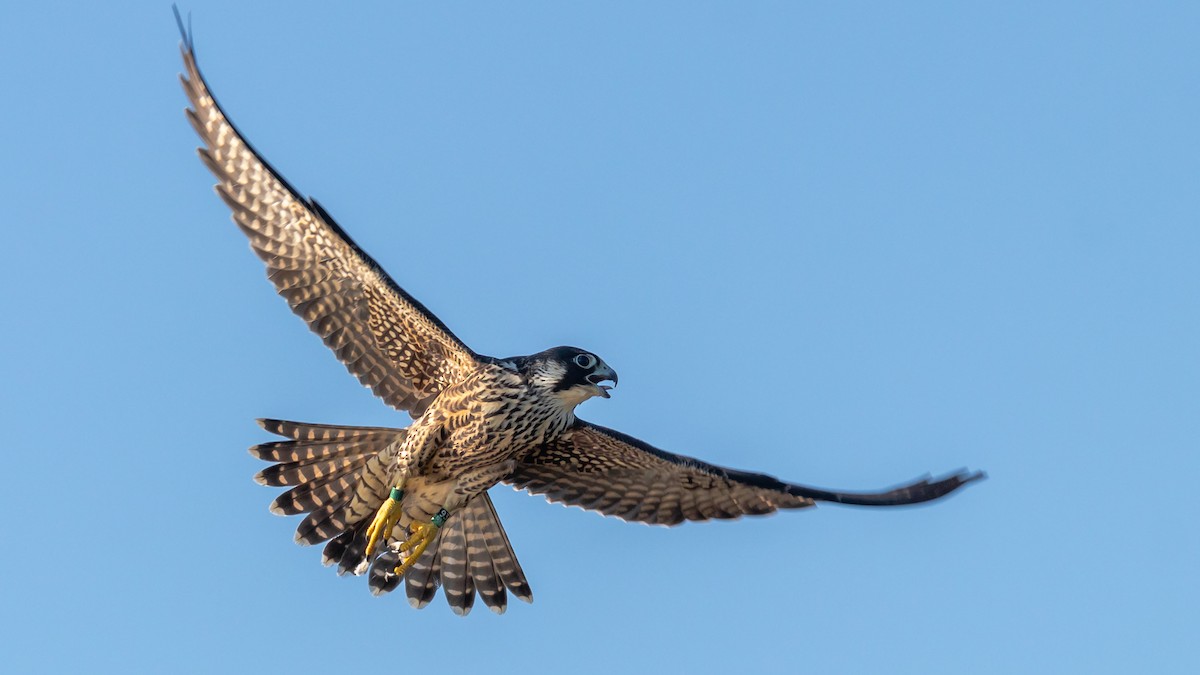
[585,360]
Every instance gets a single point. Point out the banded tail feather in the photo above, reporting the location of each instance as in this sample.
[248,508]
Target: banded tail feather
[339,479]
[472,554]
[457,585]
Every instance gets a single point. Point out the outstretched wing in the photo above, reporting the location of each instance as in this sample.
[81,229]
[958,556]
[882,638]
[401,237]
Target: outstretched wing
[387,339]
[607,471]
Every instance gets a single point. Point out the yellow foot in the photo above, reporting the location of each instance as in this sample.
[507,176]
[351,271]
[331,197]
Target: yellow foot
[389,514]
[422,535]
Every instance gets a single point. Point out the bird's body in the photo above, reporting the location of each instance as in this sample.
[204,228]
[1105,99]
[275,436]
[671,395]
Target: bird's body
[381,496]
[472,435]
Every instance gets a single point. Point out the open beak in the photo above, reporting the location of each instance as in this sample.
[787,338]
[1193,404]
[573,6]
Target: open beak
[603,374]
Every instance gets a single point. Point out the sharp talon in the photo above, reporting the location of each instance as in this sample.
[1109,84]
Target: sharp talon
[422,535]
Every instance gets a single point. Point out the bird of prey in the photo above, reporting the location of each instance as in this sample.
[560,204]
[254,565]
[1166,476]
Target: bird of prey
[412,504]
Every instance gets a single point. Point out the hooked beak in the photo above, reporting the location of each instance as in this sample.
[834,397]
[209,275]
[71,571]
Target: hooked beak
[603,374]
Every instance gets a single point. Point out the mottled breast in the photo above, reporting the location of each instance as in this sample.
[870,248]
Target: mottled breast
[494,415]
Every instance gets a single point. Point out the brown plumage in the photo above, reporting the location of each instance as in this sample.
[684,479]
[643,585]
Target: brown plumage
[478,420]
[476,533]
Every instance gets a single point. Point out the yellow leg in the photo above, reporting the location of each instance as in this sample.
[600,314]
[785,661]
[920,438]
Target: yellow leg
[422,535]
[389,514]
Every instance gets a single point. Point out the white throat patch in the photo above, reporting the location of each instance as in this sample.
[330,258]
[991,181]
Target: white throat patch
[576,395]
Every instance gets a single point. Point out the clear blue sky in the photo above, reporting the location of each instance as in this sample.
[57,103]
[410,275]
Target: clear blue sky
[842,244]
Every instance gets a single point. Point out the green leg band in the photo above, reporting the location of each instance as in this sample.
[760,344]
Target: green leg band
[397,494]
[439,518]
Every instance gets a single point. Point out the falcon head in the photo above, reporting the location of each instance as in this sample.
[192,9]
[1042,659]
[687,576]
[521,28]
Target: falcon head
[571,374]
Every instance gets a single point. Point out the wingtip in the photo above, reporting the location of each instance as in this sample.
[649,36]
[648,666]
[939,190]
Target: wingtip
[952,483]
[965,476]
[185,32]
[918,491]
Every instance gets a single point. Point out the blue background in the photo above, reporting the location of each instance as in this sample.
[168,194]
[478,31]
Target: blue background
[842,244]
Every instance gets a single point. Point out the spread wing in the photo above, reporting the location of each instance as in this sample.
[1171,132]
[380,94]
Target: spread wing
[386,339]
[607,471]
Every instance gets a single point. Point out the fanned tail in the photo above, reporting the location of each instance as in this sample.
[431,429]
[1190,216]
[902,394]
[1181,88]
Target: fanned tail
[472,554]
[338,477]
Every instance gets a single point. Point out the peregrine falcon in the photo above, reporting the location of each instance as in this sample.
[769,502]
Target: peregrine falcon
[412,504]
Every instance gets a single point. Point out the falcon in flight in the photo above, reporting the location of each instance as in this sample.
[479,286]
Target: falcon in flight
[412,504]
